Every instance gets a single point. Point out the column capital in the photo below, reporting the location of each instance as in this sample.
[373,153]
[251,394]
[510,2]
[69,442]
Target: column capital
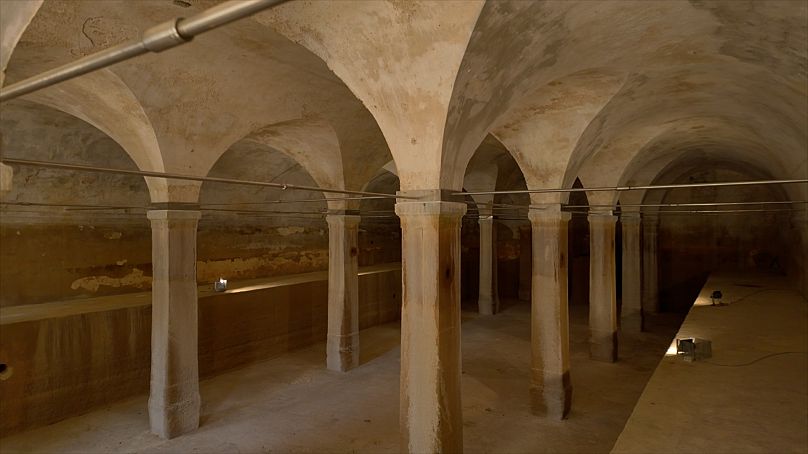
[173,215]
[631,217]
[488,219]
[601,217]
[545,213]
[337,219]
[650,221]
[431,208]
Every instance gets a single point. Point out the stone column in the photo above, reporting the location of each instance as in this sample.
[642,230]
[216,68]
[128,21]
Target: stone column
[174,396]
[343,292]
[550,387]
[6,175]
[488,301]
[431,419]
[602,287]
[650,289]
[525,263]
[631,312]
[6,172]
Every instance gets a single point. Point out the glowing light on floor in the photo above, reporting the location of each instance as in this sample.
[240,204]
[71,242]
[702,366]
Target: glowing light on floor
[672,349]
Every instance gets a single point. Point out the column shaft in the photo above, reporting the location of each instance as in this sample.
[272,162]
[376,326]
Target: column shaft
[174,396]
[431,419]
[631,311]
[550,388]
[343,292]
[602,291]
[650,289]
[488,301]
[525,263]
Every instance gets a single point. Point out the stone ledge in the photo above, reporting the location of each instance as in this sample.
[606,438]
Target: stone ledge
[56,309]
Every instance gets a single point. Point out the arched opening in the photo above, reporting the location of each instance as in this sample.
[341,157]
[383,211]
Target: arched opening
[691,246]
[85,232]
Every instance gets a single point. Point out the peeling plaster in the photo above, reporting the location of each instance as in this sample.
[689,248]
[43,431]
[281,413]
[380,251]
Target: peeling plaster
[135,278]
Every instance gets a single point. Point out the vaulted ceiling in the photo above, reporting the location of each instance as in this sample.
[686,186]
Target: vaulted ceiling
[607,92]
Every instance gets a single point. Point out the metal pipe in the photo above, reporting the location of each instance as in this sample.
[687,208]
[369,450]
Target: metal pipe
[323,199]
[665,212]
[77,206]
[634,188]
[155,39]
[784,210]
[177,176]
[702,204]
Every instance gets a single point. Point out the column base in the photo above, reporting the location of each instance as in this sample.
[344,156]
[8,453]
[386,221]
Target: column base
[631,323]
[553,399]
[486,306]
[603,347]
[342,352]
[172,420]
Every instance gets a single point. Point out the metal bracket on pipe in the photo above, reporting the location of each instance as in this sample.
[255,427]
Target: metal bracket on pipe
[154,39]
[163,36]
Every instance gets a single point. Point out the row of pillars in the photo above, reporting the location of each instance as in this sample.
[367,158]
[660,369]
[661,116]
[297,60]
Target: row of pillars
[430,405]
[550,380]
[174,400]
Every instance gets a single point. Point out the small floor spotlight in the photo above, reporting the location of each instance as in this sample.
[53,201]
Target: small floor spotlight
[220,285]
[716,298]
[693,349]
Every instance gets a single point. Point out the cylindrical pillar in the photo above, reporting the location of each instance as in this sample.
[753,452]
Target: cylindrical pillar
[525,263]
[174,394]
[550,387]
[342,350]
[488,301]
[631,310]
[602,287]
[650,284]
[431,419]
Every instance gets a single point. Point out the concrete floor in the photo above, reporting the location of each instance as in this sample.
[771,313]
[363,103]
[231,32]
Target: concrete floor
[293,404]
[751,396]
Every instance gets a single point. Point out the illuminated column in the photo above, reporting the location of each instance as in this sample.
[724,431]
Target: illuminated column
[631,311]
[174,397]
[488,301]
[550,387]
[343,292]
[431,419]
[602,283]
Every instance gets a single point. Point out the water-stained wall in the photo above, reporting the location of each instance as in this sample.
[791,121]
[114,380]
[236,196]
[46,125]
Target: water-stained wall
[64,366]
[68,234]
[692,245]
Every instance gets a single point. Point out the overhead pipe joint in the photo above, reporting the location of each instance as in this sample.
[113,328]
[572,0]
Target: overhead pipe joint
[164,36]
[155,39]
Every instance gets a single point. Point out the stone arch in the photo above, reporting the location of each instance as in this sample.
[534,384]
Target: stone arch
[41,133]
[384,51]
[705,113]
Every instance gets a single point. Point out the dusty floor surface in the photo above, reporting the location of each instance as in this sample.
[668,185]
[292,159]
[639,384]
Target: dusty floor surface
[751,396]
[293,404]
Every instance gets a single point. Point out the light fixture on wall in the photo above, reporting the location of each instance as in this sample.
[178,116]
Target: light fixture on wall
[220,285]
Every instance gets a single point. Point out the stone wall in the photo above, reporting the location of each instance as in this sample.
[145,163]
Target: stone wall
[62,366]
[92,258]
[692,246]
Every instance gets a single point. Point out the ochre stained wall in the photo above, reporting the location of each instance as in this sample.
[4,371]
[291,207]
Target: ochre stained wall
[65,366]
